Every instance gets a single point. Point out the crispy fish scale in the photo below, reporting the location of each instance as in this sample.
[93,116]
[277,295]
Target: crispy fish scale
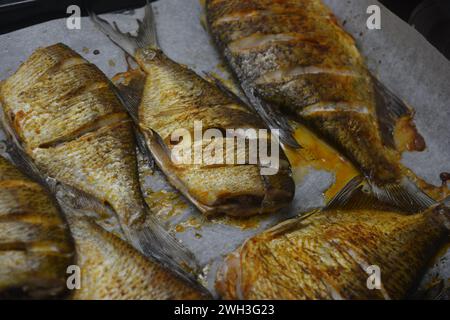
[101,163]
[175,97]
[75,129]
[304,66]
[312,89]
[35,243]
[112,269]
[351,130]
[68,98]
[221,8]
[326,255]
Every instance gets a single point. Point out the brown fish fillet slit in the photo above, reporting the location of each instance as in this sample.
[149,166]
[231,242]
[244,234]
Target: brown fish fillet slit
[258,40]
[290,74]
[250,14]
[28,216]
[13,246]
[326,107]
[105,121]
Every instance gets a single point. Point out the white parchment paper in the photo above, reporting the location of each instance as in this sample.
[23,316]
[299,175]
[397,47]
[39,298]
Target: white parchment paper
[400,57]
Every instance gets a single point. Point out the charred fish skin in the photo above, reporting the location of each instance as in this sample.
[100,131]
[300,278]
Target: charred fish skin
[36,246]
[174,97]
[327,256]
[67,118]
[111,269]
[296,57]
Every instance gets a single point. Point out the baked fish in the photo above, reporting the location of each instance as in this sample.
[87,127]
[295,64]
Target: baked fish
[295,62]
[35,243]
[110,269]
[64,114]
[174,97]
[336,254]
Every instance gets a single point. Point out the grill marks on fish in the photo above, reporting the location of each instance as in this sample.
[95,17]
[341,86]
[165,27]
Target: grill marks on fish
[326,255]
[35,243]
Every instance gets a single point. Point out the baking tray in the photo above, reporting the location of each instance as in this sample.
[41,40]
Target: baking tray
[397,54]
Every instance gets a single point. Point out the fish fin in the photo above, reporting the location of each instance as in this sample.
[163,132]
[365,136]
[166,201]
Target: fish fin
[226,88]
[153,241]
[390,108]
[143,148]
[405,195]
[291,224]
[360,193]
[130,99]
[272,117]
[343,197]
[156,242]
[146,34]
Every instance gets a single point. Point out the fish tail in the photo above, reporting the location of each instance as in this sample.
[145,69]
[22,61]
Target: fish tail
[157,244]
[360,193]
[343,197]
[405,195]
[146,33]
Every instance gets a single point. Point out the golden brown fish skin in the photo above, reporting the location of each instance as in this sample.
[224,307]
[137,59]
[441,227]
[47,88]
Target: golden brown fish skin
[174,97]
[35,243]
[73,126]
[111,269]
[326,255]
[296,56]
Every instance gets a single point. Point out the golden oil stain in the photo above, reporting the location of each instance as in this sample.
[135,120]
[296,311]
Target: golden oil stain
[244,223]
[179,228]
[194,222]
[437,193]
[198,235]
[317,154]
[165,204]
[85,50]
[111,63]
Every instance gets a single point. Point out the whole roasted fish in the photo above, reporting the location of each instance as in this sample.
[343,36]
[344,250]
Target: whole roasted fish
[174,97]
[63,112]
[35,244]
[294,61]
[336,254]
[110,269]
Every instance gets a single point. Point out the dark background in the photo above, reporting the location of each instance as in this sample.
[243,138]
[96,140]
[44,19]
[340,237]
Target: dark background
[431,17]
